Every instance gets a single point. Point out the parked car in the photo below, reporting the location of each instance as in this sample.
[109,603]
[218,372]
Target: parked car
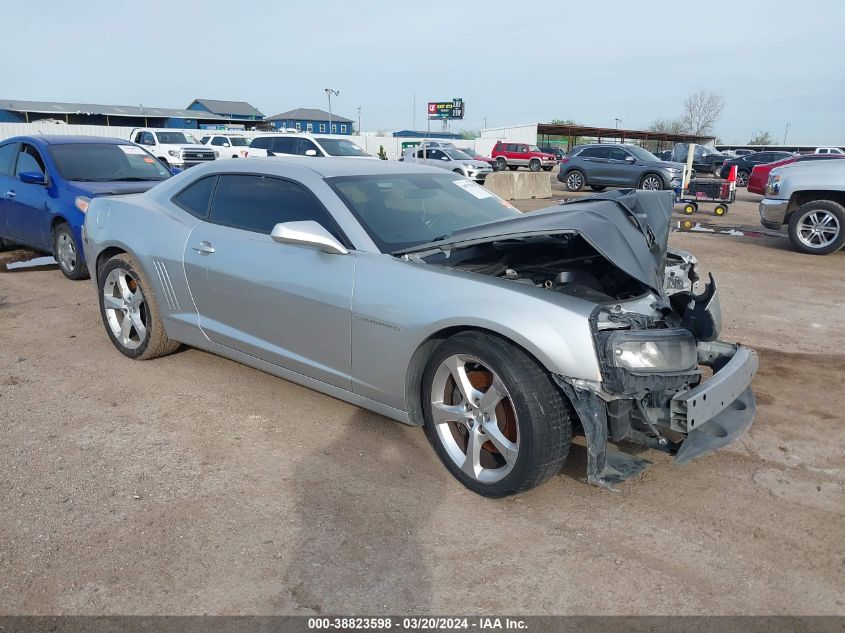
[705,160]
[476,156]
[828,150]
[419,295]
[516,155]
[173,148]
[760,173]
[554,150]
[47,182]
[304,145]
[227,145]
[601,165]
[452,159]
[809,198]
[746,163]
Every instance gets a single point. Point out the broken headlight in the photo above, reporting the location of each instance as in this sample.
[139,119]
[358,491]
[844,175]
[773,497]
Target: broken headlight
[652,351]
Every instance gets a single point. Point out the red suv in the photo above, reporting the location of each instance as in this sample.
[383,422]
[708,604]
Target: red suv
[516,155]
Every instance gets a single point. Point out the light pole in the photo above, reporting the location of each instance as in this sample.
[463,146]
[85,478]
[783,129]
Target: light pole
[618,121]
[359,120]
[785,133]
[329,93]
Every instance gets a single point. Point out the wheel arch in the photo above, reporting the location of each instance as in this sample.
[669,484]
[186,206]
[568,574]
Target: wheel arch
[102,257]
[800,198]
[425,350]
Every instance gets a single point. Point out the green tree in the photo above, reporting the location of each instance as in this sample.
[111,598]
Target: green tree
[761,138]
[469,134]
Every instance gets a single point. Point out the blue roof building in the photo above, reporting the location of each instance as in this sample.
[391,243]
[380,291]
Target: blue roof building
[311,120]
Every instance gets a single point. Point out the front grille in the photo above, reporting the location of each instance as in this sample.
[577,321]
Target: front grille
[197,155]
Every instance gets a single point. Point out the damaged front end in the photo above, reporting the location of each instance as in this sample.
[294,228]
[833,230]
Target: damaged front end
[666,381]
[667,384]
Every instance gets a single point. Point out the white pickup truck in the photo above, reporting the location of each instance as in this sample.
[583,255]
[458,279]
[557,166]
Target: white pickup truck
[173,147]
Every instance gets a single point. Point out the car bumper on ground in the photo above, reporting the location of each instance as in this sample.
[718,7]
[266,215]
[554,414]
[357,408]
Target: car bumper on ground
[773,212]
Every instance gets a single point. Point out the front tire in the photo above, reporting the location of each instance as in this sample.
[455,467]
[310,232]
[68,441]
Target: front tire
[742,179]
[501,164]
[818,227]
[651,182]
[493,415]
[130,312]
[575,180]
[534,165]
[67,254]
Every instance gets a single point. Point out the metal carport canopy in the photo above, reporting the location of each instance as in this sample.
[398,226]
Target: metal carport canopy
[574,131]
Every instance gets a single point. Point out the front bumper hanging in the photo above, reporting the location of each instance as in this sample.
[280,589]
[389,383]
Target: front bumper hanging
[711,415]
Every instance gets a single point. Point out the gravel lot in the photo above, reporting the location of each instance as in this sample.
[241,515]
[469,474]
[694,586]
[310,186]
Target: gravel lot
[192,484]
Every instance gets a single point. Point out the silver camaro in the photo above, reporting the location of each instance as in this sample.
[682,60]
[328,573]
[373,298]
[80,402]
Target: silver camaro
[419,295]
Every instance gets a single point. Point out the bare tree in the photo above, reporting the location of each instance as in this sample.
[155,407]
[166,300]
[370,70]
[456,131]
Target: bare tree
[701,111]
[667,126]
[761,138]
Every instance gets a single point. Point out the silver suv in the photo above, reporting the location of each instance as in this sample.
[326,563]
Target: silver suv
[604,165]
[452,159]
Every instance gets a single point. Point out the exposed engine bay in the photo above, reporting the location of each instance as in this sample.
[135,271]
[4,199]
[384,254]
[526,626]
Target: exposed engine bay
[563,263]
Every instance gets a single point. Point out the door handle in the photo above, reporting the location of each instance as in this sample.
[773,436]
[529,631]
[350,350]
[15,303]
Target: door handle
[10,194]
[204,248]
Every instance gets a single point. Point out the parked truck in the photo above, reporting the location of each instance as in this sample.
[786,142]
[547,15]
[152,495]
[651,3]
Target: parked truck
[173,147]
[809,198]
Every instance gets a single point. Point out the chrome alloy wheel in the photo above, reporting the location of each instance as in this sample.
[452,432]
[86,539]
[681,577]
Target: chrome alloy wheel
[574,181]
[475,419]
[652,183]
[124,306]
[66,252]
[818,229]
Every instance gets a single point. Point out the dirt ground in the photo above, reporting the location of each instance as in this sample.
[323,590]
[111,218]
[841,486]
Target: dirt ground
[192,484]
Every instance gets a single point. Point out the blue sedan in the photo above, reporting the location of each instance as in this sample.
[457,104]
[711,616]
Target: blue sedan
[46,183]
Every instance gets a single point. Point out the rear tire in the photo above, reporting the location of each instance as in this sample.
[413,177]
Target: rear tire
[575,180]
[818,227]
[514,442]
[130,311]
[68,254]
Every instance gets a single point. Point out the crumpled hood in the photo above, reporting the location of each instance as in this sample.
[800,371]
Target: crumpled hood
[628,227]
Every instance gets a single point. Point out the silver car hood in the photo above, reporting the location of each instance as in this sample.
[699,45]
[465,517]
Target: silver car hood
[630,228]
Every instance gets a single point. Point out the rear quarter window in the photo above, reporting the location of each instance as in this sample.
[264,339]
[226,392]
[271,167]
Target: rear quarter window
[196,197]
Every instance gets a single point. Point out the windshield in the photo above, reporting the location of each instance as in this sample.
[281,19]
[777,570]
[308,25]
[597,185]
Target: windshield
[239,141]
[640,153]
[341,147]
[457,154]
[94,162]
[402,211]
[174,138]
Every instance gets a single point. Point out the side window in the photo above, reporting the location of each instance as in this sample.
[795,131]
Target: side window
[762,157]
[596,152]
[322,127]
[138,136]
[284,145]
[262,142]
[343,129]
[617,153]
[334,128]
[204,140]
[309,127]
[435,154]
[298,126]
[305,145]
[7,158]
[195,198]
[147,138]
[219,141]
[258,203]
[29,160]
[510,147]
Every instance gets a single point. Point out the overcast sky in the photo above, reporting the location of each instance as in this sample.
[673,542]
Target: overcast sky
[774,62]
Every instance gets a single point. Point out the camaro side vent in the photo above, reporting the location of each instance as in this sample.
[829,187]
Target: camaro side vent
[164,278]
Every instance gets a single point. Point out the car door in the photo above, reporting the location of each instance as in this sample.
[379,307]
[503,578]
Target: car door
[620,170]
[305,145]
[8,154]
[594,163]
[286,304]
[221,145]
[28,205]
